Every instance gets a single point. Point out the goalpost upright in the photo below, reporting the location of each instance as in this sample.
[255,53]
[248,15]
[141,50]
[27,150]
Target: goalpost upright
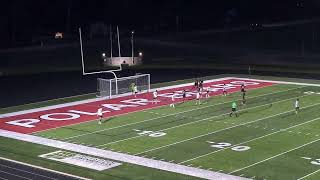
[104,85]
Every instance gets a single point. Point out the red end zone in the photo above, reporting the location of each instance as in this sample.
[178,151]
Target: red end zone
[54,118]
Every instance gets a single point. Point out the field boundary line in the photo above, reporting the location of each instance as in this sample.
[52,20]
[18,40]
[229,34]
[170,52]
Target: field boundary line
[173,114]
[43,168]
[150,163]
[178,142]
[281,130]
[267,159]
[309,174]
[95,100]
[278,82]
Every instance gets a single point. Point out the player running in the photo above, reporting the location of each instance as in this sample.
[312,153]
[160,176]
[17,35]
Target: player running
[243,91]
[233,109]
[296,105]
[172,100]
[155,97]
[224,90]
[99,114]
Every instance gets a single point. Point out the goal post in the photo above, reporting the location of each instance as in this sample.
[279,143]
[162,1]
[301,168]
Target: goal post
[113,87]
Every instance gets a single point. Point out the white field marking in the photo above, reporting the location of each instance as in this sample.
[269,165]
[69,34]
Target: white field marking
[42,168]
[121,157]
[308,158]
[213,152]
[278,82]
[96,99]
[14,175]
[193,122]
[28,172]
[166,105]
[173,114]
[275,156]
[197,122]
[309,174]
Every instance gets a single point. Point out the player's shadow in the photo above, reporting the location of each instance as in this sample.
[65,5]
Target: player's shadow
[107,120]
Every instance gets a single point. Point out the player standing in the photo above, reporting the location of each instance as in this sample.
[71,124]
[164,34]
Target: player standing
[207,92]
[198,98]
[99,114]
[297,106]
[155,97]
[224,90]
[243,91]
[172,100]
[184,95]
[234,109]
[135,89]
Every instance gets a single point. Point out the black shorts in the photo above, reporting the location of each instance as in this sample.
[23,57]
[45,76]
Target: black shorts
[234,109]
[297,108]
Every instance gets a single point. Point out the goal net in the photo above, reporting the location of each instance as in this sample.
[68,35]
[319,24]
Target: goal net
[123,85]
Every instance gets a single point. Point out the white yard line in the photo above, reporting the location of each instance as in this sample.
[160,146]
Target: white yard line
[42,168]
[281,130]
[242,124]
[309,174]
[173,114]
[151,163]
[275,156]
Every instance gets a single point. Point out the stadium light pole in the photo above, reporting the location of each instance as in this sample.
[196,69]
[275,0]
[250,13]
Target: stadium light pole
[132,47]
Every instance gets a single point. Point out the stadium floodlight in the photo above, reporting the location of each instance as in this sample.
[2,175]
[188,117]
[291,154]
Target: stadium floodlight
[140,54]
[132,49]
[103,55]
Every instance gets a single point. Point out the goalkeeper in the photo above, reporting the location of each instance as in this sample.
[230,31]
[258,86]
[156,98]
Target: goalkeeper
[131,87]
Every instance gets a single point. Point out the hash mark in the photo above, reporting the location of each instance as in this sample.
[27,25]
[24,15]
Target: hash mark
[308,158]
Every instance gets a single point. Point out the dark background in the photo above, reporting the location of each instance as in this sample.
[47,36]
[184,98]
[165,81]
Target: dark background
[179,39]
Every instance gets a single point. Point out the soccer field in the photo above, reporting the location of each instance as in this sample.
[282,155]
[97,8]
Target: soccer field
[268,140]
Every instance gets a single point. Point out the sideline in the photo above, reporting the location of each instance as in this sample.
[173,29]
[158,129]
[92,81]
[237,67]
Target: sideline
[151,163]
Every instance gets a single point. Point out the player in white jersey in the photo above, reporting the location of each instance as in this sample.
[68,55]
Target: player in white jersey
[297,106]
[99,114]
[198,98]
[224,90]
[155,97]
[208,92]
[172,100]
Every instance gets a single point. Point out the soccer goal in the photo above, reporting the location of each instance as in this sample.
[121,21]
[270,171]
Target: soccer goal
[112,87]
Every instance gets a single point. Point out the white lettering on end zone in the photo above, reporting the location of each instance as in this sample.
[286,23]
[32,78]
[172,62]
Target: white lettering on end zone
[74,114]
[28,123]
[61,116]
[142,102]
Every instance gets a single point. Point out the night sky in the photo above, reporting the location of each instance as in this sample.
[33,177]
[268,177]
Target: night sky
[24,19]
